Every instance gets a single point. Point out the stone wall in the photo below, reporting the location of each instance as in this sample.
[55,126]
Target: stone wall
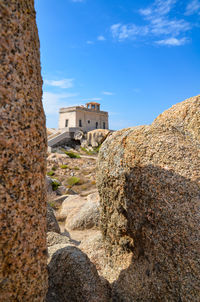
[22,157]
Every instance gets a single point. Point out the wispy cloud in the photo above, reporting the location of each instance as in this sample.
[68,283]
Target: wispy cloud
[128,31]
[89,42]
[63,83]
[53,101]
[107,93]
[159,24]
[101,38]
[172,42]
[193,7]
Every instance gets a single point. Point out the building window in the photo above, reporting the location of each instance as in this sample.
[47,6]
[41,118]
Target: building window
[80,123]
[66,123]
[96,125]
[93,106]
[98,107]
[88,121]
[104,125]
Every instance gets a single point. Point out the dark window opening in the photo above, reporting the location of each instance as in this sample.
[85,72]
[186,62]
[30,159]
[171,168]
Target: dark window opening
[104,125]
[80,123]
[88,121]
[98,107]
[96,125]
[66,123]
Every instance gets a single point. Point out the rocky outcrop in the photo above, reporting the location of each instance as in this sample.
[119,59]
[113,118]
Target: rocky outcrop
[95,137]
[86,218]
[148,179]
[23,255]
[70,207]
[52,224]
[72,278]
[49,184]
[55,238]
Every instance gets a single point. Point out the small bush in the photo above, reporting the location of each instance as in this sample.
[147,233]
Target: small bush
[76,168]
[55,184]
[64,167]
[96,149]
[72,154]
[88,152]
[50,173]
[54,168]
[73,181]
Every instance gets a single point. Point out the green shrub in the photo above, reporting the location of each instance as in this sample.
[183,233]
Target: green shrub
[54,168]
[96,149]
[88,152]
[64,166]
[50,173]
[76,168]
[73,181]
[72,154]
[55,184]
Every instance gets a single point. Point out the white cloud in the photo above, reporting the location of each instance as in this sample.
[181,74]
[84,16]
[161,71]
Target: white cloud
[89,42]
[193,7]
[172,42]
[101,38]
[158,24]
[107,93]
[163,7]
[64,83]
[128,31]
[54,101]
[163,26]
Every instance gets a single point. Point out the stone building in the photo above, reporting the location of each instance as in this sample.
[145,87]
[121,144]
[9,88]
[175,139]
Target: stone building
[85,118]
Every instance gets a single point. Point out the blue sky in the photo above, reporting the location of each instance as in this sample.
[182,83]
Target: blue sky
[137,58]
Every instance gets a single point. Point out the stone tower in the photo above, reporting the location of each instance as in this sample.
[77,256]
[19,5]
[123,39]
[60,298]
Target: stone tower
[23,275]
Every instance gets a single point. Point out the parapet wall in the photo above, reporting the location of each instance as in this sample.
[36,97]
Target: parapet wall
[23,275]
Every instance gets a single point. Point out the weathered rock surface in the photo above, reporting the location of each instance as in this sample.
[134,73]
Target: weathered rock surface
[72,278]
[55,238]
[23,256]
[96,137]
[87,217]
[149,184]
[49,184]
[70,207]
[52,224]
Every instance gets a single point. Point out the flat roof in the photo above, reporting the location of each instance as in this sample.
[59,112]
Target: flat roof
[94,103]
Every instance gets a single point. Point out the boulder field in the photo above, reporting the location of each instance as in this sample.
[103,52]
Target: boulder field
[149,184]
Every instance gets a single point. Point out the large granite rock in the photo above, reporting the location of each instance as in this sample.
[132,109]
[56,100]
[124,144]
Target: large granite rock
[88,215]
[55,238]
[72,277]
[52,224]
[149,184]
[96,137]
[23,256]
[70,207]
